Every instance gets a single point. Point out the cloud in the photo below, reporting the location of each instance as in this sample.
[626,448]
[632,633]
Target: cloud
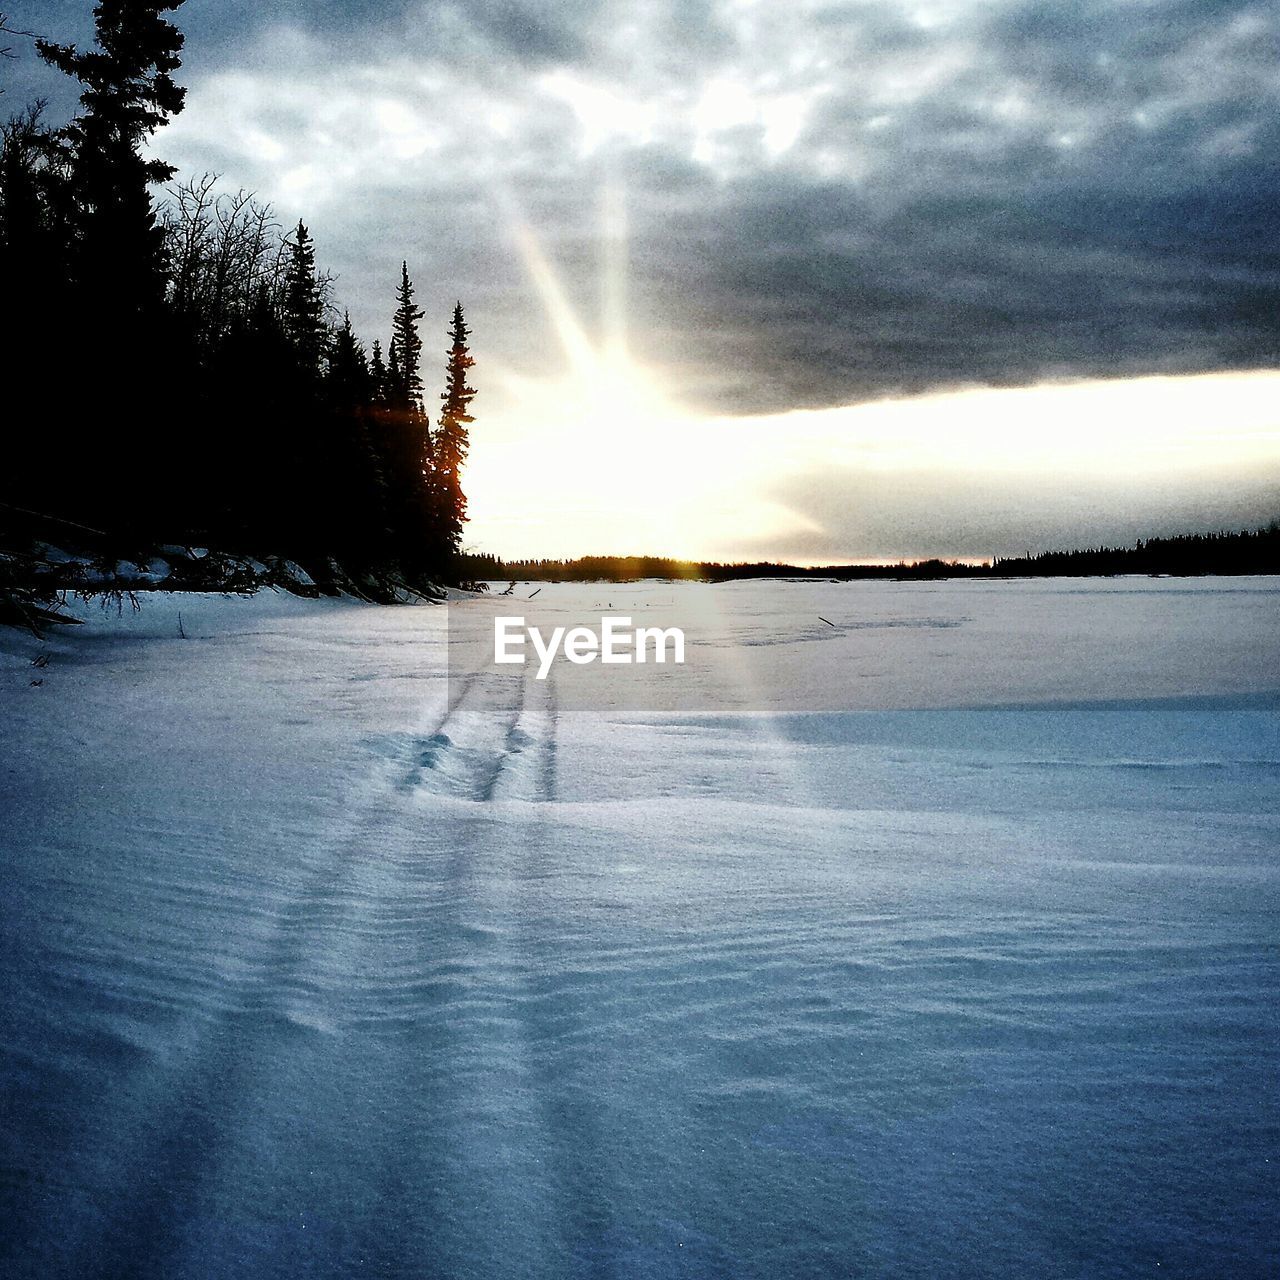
[826,202]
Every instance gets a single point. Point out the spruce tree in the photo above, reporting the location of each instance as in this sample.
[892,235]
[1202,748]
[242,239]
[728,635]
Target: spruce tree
[356,509]
[393,376]
[303,302]
[378,377]
[451,438]
[119,480]
[129,92]
[406,443]
[347,381]
[406,349]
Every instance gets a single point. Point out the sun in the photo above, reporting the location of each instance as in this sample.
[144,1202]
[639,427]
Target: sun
[601,459]
[606,459]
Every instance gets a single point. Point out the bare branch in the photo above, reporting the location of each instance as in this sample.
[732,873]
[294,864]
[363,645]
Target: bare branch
[7,30]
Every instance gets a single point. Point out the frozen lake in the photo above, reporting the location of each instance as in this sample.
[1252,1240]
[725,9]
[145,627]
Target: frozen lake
[939,938]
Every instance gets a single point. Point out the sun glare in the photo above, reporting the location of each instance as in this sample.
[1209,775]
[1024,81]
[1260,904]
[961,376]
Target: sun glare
[602,459]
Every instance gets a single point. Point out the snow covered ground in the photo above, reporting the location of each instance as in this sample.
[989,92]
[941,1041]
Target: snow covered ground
[939,941]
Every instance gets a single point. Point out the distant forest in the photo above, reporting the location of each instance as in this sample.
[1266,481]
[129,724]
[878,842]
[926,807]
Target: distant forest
[178,374]
[1256,551]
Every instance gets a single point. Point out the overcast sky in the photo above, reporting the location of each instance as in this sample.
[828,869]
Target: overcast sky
[823,203]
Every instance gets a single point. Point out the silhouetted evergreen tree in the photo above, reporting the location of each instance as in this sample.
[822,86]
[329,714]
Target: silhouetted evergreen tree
[355,501]
[405,443]
[451,439]
[378,392]
[393,380]
[303,304]
[116,268]
[406,350]
[347,383]
[129,92]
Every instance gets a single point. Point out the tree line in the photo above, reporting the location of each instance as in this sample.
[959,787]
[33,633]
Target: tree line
[177,371]
[1246,551]
[1254,551]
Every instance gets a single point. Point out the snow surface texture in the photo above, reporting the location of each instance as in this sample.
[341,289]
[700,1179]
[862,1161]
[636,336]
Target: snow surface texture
[938,942]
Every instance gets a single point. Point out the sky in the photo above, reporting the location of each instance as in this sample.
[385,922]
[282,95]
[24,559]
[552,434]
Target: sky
[808,280]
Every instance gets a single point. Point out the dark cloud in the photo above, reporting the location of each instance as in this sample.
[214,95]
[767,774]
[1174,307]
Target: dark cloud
[829,300]
[827,202]
[975,248]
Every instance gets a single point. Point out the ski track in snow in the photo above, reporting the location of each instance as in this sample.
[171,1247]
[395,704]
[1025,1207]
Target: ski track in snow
[483,986]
